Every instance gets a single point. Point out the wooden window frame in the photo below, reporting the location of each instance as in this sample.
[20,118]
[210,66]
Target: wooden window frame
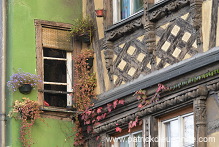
[125,132]
[131,134]
[117,9]
[167,118]
[39,25]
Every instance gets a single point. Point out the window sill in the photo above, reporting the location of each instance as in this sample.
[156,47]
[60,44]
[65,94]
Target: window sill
[58,113]
[124,26]
[56,109]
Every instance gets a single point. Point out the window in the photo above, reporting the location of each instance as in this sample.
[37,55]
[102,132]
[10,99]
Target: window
[130,140]
[177,131]
[125,8]
[54,63]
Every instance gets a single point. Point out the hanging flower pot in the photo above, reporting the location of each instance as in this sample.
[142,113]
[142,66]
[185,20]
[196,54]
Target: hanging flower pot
[19,79]
[82,29]
[25,89]
[89,62]
[84,38]
[99,12]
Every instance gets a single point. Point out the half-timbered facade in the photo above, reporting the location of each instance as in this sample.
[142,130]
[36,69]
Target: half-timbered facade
[171,43]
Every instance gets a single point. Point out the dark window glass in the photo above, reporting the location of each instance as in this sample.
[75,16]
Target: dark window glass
[54,71]
[48,52]
[56,100]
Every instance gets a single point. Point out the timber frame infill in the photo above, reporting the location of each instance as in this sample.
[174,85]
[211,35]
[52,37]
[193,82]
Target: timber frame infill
[39,24]
[144,31]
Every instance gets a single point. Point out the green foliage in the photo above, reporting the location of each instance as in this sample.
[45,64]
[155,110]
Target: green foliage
[195,79]
[82,26]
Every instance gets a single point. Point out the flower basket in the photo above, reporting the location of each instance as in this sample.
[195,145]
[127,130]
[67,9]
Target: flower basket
[82,29]
[23,81]
[84,38]
[99,12]
[25,89]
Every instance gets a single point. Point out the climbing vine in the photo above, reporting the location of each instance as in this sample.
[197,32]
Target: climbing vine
[84,90]
[28,111]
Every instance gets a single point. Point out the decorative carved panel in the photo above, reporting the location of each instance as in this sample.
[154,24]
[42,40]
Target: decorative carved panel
[165,8]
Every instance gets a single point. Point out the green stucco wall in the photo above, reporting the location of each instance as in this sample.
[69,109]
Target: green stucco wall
[21,53]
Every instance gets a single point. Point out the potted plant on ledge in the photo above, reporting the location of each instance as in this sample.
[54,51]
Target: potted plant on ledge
[82,29]
[23,81]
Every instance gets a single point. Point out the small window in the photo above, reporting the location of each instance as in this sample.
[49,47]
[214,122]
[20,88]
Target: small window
[177,131]
[54,63]
[122,9]
[130,140]
[57,78]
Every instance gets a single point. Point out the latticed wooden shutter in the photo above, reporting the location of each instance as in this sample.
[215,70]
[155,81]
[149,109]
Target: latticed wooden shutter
[56,39]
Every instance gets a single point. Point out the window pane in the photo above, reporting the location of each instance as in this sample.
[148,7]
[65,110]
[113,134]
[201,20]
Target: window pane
[55,71]
[55,87]
[57,100]
[123,142]
[48,52]
[172,133]
[125,9]
[188,122]
[138,140]
[138,5]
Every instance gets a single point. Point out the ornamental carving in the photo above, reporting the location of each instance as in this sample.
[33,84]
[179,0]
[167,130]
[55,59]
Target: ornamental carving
[150,40]
[165,9]
[196,13]
[109,62]
[200,113]
[114,34]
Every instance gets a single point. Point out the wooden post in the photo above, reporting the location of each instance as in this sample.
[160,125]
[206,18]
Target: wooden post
[200,117]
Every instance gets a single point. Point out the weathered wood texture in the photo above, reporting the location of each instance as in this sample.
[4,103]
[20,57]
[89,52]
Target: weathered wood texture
[175,41]
[214,21]
[108,15]
[96,46]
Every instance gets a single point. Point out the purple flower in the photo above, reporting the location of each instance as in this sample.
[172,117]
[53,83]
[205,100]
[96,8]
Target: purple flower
[20,77]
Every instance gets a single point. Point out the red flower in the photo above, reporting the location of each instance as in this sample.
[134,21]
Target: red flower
[118,129]
[46,104]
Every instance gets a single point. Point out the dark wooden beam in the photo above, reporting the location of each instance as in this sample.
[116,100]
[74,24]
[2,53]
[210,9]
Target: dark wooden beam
[214,20]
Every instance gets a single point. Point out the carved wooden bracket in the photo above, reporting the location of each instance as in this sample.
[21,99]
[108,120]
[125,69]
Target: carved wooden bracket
[109,58]
[196,13]
[150,35]
[165,8]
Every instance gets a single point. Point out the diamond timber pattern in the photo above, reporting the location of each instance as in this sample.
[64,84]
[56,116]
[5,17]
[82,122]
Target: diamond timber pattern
[130,60]
[176,41]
